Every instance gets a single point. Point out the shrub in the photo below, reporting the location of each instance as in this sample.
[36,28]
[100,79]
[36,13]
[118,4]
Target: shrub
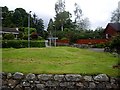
[40,38]
[25,37]
[99,46]
[21,44]
[20,35]
[34,36]
[8,36]
[115,43]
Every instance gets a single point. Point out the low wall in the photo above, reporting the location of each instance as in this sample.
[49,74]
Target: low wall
[20,81]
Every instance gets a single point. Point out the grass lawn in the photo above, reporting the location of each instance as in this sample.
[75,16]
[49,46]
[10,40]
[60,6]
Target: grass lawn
[58,60]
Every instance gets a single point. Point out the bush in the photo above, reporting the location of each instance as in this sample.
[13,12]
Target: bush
[8,36]
[99,46]
[21,44]
[40,38]
[115,43]
[34,36]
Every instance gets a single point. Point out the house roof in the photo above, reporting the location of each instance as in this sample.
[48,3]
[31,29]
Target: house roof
[10,30]
[116,26]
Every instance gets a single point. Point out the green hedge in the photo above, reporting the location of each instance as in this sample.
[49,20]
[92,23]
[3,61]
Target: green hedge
[21,44]
[99,46]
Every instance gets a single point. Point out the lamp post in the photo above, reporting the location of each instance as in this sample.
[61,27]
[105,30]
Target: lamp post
[29,29]
[54,35]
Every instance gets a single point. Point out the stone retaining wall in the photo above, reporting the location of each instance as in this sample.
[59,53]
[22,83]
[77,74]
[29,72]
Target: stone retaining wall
[20,81]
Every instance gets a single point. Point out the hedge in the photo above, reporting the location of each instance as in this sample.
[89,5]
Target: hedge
[21,43]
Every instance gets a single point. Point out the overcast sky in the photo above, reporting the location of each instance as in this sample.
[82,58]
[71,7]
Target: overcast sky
[98,11]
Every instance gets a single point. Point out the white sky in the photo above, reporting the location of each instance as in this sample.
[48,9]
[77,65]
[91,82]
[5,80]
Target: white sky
[98,11]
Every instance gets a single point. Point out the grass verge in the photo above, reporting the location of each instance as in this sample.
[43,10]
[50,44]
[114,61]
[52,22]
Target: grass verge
[58,60]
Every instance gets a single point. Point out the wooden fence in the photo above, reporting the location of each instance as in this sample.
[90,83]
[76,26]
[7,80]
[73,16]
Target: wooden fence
[85,41]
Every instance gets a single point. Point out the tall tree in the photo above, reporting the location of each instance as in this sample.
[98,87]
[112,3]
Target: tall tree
[78,13]
[81,23]
[61,19]
[50,26]
[60,6]
[40,26]
[115,18]
[34,20]
[19,17]
[7,17]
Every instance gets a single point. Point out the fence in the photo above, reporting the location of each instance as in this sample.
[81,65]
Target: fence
[85,41]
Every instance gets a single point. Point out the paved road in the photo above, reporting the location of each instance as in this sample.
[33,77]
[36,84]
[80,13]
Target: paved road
[97,49]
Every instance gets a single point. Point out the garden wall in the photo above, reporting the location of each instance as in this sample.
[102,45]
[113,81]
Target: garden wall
[20,81]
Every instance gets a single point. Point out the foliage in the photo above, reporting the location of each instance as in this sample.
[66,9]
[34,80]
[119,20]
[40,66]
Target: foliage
[115,43]
[81,23]
[21,44]
[50,26]
[20,35]
[39,26]
[98,46]
[8,36]
[73,35]
[59,6]
[59,60]
[7,17]
[34,36]
[25,37]
[40,38]
[61,19]
[99,33]
[115,18]
[19,18]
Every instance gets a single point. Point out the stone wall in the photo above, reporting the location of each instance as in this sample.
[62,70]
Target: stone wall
[20,81]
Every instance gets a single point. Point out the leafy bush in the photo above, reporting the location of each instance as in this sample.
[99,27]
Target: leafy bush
[40,38]
[99,46]
[34,36]
[25,37]
[114,44]
[8,36]
[21,44]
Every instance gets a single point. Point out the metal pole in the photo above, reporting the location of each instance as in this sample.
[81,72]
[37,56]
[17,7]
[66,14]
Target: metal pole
[29,29]
[55,36]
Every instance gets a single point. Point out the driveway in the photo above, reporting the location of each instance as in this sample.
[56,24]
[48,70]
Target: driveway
[97,49]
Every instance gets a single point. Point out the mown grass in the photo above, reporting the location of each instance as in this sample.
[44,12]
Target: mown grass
[58,60]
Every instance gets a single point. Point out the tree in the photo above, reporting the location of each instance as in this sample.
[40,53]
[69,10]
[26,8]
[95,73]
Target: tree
[61,15]
[78,13]
[99,32]
[81,23]
[115,18]
[19,17]
[7,17]
[34,20]
[50,26]
[60,6]
[40,26]
[61,19]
